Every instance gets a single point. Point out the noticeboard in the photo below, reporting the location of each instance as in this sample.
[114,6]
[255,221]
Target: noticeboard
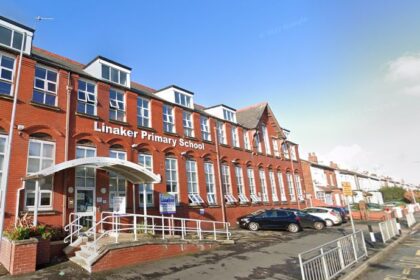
[167,203]
[347,191]
[119,205]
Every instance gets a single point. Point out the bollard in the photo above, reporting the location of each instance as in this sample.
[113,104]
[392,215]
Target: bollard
[372,234]
[398,226]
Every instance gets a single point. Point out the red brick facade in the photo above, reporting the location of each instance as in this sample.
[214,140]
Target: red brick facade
[35,119]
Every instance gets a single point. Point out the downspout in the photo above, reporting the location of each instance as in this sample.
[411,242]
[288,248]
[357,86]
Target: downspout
[5,177]
[222,195]
[293,176]
[66,146]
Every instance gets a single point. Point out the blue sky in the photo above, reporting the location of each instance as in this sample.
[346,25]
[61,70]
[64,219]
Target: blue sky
[336,73]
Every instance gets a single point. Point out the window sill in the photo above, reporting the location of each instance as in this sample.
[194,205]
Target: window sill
[6,97]
[43,106]
[224,145]
[256,203]
[119,122]
[230,205]
[213,206]
[146,128]
[174,134]
[191,138]
[244,204]
[43,212]
[247,150]
[237,148]
[87,116]
[195,206]
[207,141]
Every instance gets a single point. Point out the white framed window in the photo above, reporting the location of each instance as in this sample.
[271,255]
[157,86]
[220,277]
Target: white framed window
[168,119]
[146,160]
[252,187]
[263,182]
[235,139]
[257,142]
[45,86]
[266,140]
[246,140]
[192,182]
[143,112]
[290,185]
[3,141]
[85,176]
[171,175]
[221,133]
[117,183]
[273,186]
[229,115]
[114,75]
[11,38]
[116,105]
[299,187]
[285,149]
[276,147]
[210,184]
[226,184]
[293,152]
[240,184]
[187,122]
[281,185]
[320,196]
[183,99]
[41,155]
[86,98]
[205,128]
[7,66]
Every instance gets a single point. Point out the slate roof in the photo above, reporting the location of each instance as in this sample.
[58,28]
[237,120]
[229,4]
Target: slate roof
[250,116]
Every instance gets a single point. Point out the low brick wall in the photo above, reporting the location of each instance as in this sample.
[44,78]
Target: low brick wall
[370,215]
[43,252]
[56,249]
[19,257]
[116,258]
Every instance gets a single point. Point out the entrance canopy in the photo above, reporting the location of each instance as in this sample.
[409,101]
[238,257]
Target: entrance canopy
[132,172]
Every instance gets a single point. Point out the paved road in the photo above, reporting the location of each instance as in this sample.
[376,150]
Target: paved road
[260,255]
[403,262]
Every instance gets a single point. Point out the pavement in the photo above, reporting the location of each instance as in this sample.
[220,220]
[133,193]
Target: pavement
[402,262]
[255,255]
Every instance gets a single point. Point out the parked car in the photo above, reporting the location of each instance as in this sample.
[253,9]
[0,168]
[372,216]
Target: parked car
[344,212]
[330,216]
[271,219]
[308,220]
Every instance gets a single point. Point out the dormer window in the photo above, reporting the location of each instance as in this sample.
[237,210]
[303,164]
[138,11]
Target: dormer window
[11,38]
[182,99]
[229,115]
[114,75]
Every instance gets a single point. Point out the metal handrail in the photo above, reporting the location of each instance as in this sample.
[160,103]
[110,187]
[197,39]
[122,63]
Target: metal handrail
[70,227]
[167,227]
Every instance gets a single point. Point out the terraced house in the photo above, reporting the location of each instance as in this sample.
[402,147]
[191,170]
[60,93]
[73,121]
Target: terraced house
[85,135]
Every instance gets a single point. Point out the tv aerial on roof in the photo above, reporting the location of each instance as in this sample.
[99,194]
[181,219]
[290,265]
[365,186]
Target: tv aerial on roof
[39,18]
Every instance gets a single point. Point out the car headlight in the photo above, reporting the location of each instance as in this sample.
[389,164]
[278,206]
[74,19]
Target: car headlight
[245,220]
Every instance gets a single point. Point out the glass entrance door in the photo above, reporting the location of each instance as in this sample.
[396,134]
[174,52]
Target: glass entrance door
[85,199]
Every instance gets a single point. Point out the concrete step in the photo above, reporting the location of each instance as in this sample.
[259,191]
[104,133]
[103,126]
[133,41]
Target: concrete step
[82,262]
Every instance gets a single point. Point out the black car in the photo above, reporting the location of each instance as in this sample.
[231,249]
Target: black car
[308,220]
[344,212]
[271,219]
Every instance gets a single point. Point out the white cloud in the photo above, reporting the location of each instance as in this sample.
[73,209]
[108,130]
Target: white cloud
[350,156]
[404,74]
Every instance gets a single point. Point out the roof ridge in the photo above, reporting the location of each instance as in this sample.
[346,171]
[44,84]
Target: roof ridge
[252,106]
[141,85]
[58,56]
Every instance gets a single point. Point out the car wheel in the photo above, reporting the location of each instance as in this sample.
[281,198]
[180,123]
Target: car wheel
[253,226]
[329,223]
[293,228]
[319,225]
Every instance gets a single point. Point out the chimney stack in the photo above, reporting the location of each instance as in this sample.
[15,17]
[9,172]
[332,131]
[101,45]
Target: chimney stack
[333,165]
[313,158]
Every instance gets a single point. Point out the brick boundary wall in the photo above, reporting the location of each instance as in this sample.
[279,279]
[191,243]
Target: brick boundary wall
[117,258]
[19,257]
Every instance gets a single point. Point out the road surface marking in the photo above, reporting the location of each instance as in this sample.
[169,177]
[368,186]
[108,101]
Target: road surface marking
[406,271]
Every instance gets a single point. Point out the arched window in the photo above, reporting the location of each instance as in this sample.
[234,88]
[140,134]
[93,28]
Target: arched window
[117,183]
[252,187]
[192,182]
[291,187]
[263,182]
[240,184]
[210,182]
[227,184]
[273,185]
[281,185]
[171,175]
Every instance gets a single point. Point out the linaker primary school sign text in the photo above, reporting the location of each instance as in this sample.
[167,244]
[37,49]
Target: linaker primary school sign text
[146,135]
